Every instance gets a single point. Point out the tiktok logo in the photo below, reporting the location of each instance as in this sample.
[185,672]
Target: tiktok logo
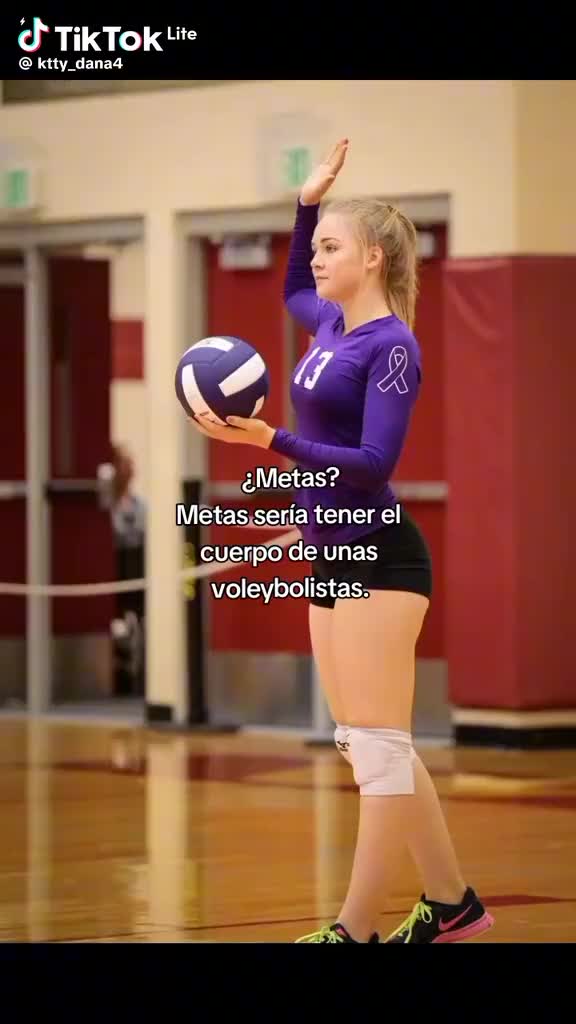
[31,39]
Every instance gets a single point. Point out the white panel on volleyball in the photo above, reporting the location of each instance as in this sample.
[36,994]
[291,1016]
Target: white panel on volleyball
[194,396]
[244,376]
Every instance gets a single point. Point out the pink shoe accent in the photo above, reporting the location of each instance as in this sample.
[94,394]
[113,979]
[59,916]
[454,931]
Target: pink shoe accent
[459,934]
[444,926]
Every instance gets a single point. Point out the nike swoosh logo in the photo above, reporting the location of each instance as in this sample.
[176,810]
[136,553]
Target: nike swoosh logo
[444,926]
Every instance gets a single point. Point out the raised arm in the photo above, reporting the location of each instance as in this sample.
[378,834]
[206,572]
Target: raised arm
[299,285]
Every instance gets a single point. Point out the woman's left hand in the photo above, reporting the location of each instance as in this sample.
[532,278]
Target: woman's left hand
[241,431]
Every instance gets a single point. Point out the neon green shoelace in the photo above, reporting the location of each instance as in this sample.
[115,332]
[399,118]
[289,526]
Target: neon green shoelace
[421,912]
[324,935]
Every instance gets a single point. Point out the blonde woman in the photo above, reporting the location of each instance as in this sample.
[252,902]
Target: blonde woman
[352,283]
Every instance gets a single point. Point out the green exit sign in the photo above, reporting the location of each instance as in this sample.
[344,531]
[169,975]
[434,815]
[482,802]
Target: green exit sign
[18,188]
[297,165]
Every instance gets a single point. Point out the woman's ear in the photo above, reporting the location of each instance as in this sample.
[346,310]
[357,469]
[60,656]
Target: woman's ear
[375,258]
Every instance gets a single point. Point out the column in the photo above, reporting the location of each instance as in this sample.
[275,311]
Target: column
[38,639]
[166,684]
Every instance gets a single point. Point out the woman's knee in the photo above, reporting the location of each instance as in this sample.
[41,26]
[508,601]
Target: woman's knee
[382,759]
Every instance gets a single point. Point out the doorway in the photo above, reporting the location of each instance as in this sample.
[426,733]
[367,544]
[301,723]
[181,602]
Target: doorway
[55,527]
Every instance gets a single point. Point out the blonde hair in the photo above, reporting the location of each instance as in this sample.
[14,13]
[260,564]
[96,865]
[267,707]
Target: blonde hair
[378,223]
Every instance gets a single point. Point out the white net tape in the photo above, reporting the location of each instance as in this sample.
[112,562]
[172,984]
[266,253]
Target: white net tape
[128,586]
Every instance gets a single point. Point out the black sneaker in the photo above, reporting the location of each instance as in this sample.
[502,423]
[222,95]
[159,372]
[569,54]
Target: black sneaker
[334,933]
[444,922]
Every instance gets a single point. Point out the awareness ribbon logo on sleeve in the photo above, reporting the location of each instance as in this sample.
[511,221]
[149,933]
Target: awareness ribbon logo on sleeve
[398,363]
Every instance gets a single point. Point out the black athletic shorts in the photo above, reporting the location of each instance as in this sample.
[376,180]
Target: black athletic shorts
[403,562]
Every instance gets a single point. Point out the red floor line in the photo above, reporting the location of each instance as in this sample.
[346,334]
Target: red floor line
[161,929]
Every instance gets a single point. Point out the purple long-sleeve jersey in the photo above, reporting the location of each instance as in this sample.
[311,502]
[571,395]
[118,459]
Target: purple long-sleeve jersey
[353,396]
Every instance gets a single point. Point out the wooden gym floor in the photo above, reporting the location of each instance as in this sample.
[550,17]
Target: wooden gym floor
[118,834]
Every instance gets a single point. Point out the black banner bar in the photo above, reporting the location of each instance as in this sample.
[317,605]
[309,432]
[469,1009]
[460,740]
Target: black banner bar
[205,46]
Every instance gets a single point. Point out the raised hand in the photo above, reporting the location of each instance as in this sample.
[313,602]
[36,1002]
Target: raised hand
[320,179]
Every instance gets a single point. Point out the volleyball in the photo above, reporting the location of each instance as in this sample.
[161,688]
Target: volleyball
[222,376]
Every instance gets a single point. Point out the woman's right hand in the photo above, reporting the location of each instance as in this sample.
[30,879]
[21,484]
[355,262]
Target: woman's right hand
[320,179]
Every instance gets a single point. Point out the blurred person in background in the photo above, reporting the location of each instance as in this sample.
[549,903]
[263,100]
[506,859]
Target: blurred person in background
[128,516]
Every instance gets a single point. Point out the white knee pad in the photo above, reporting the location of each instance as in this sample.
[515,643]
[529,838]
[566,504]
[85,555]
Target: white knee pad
[381,759]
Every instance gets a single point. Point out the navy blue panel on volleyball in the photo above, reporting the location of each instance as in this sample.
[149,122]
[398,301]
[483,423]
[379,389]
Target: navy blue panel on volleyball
[222,376]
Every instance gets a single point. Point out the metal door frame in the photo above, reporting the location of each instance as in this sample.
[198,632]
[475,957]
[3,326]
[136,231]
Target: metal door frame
[33,241]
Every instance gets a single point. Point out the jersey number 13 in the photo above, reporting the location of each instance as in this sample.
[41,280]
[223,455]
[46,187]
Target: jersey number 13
[309,382]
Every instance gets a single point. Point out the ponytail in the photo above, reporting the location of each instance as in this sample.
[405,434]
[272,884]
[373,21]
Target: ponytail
[380,224]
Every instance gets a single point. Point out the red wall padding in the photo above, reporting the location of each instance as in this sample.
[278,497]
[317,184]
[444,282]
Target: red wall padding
[510,557]
[423,457]
[546,493]
[430,518]
[127,349]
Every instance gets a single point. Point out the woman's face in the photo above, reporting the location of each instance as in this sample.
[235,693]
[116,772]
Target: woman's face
[340,262]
